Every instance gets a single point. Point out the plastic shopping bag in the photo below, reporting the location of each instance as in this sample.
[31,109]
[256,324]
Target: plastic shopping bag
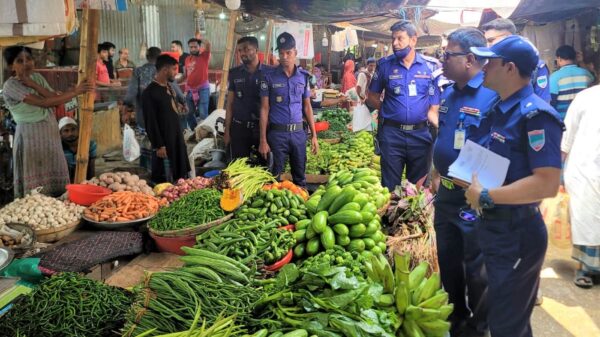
[131,147]
[361,118]
[556,216]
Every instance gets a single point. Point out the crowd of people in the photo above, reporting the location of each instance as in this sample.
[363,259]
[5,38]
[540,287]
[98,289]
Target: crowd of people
[490,88]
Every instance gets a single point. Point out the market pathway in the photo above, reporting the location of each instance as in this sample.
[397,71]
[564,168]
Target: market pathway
[567,310]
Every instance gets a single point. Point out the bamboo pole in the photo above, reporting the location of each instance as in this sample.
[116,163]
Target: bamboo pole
[268,44]
[227,59]
[87,72]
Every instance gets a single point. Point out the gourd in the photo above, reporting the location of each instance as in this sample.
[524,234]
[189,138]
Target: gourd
[231,199]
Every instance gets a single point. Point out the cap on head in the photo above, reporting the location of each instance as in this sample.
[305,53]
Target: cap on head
[371,60]
[285,41]
[65,121]
[515,49]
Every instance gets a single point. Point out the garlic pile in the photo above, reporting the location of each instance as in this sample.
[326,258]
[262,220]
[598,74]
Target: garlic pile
[40,212]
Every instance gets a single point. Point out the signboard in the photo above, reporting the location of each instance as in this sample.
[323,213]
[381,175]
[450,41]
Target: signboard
[303,34]
[110,5]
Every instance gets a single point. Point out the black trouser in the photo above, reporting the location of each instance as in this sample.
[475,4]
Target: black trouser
[243,139]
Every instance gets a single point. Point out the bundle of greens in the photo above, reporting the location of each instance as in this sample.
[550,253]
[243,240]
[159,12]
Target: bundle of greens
[67,305]
[338,119]
[239,175]
[167,302]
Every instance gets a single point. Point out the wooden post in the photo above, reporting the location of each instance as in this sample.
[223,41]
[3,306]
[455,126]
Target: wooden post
[88,54]
[227,59]
[268,44]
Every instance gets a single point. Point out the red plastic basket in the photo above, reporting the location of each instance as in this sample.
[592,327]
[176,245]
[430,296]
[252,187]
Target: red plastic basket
[174,244]
[321,126]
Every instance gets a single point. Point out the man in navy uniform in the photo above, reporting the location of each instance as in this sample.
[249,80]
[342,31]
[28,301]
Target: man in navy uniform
[411,95]
[512,234]
[500,28]
[243,100]
[285,98]
[463,113]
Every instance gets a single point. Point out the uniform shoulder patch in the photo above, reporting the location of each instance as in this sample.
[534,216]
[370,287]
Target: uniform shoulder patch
[542,81]
[537,139]
[263,85]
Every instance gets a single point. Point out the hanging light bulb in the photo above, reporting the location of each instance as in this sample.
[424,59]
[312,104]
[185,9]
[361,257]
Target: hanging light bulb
[325,41]
[233,4]
[222,15]
[262,37]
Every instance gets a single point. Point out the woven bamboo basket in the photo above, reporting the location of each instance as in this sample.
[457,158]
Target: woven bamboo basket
[332,140]
[191,230]
[57,233]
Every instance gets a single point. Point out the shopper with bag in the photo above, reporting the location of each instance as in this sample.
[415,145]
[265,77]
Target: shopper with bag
[581,148]
[161,118]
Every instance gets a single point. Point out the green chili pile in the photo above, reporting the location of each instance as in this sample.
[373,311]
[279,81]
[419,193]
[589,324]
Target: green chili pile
[195,208]
[67,305]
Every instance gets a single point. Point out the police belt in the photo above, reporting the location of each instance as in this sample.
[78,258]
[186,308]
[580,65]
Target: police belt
[404,127]
[246,124]
[510,213]
[286,127]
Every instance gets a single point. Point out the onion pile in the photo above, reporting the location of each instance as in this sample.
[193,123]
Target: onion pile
[185,186]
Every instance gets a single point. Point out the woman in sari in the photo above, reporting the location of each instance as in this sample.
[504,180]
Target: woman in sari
[348,80]
[38,157]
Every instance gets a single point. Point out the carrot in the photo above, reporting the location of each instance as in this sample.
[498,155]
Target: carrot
[124,206]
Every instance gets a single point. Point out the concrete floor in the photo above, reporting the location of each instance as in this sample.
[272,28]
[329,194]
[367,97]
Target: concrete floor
[567,310]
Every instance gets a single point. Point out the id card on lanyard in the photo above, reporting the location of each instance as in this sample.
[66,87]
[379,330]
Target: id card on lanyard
[459,133]
[412,88]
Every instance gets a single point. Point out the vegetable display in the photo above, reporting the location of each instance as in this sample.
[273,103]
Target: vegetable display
[195,208]
[239,175]
[344,213]
[183,187]
[248,241]
[222,327]
[213,266]
[287,185]
[282,205]
[355,151]
[122,206]
[167,302]
[121,181]
[67,305]
[40,212]
[338,119]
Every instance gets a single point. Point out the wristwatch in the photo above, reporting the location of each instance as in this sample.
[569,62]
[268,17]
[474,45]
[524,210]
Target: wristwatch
[485,201]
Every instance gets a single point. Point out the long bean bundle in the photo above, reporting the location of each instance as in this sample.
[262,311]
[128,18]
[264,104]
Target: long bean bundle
[67,305]
[167,302]
[246,178]
[196,208]
[223,327]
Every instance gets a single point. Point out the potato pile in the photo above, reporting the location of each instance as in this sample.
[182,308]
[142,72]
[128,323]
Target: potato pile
[40,212]
[121,181]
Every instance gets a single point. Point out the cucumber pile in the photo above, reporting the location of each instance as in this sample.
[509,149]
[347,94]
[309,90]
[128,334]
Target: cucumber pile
[355,151]
[344,213]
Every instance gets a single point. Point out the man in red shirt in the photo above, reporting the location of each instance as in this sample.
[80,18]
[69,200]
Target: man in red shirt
[102,77]
[197,87]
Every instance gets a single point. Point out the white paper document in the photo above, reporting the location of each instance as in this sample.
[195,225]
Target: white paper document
[490,167]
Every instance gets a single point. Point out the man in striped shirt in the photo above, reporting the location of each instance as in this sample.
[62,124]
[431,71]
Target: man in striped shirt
[566,82]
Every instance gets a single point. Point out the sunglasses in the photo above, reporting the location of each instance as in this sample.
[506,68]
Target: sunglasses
[449,54]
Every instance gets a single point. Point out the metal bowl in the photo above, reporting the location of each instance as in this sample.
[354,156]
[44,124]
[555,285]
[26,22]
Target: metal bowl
[6,257]
[117,225]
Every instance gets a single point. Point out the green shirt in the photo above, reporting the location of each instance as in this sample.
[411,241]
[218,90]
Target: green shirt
[14,93]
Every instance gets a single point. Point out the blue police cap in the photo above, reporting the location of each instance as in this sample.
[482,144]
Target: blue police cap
[285,41]
[515,49]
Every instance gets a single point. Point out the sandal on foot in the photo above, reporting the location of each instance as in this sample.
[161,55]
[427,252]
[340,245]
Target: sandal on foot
[582,280]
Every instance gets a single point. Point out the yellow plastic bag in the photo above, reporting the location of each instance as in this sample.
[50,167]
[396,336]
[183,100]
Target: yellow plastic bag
[556,216]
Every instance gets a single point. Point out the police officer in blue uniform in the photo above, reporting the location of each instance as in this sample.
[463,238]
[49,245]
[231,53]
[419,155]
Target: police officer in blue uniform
[243,100]
[463,113]
[498,29]
[512,234]
[285,98]
[411,95]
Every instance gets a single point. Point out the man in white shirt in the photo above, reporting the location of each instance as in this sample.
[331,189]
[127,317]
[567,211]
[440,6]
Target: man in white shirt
[364,79]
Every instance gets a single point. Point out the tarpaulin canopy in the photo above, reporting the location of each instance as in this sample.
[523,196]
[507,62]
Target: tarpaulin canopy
[330,11]
[551,10]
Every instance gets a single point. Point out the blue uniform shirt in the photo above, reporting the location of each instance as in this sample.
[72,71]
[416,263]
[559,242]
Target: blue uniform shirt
[285,94]
[526,130]
[400,104]
[246,88]
[540,80]
[473,102]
